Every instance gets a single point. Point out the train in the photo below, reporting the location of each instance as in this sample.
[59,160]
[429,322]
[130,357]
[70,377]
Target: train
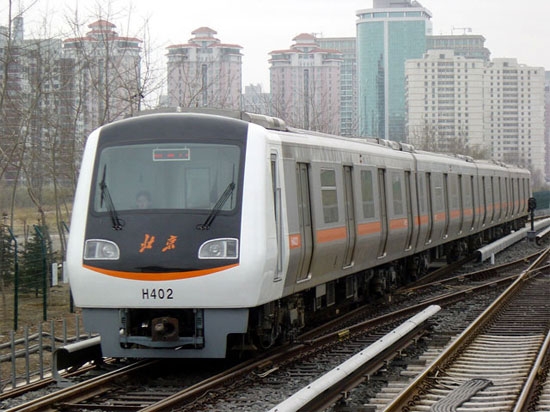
[201,235]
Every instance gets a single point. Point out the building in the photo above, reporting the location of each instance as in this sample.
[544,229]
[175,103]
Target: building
[387,35]
[305,85]
[471,46]
[348,81]
[255,100]
[547,123]
[495,108]
[444,100]
[204,72]
[514,113]
[30,84]
[103,71]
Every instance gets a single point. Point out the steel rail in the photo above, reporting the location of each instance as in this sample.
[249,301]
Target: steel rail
[403,400]
[82,390]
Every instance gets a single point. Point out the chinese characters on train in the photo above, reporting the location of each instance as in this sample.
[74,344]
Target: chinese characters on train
[149,242]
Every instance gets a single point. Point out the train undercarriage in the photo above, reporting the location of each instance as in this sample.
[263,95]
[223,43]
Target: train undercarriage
[284,319]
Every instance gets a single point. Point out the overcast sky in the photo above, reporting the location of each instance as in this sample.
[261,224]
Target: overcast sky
[518,29]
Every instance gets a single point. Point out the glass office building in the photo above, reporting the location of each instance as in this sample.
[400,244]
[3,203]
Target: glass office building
[387,35]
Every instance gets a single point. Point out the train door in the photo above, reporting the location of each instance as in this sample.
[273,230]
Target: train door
[506,198]
[350,216]
[446,204]
[305,223]
[383,212]
[498,200]
[277,207]
[429,192]
[514,197]
[409,202]
[474,202]
[461,204]
[491,200]
[483,200]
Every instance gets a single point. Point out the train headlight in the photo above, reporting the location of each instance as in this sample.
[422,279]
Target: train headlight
[219,249]
[99,249]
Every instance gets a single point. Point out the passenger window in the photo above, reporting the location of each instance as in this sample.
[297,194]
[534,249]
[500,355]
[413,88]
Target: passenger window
[421,194]
[453,188]
[467,195]
[329,195]
[397,194]
[367,193]
[437,180]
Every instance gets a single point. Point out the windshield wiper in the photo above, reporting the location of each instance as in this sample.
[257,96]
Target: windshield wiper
[106,196]
[217,207]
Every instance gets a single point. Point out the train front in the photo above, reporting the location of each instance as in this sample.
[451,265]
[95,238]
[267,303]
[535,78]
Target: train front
[154,253]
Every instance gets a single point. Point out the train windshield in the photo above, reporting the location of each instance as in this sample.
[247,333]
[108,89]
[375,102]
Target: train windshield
[167,176]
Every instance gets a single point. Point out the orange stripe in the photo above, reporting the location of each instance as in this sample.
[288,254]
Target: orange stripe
[399,224]
[329,235]
[422,220]
[455,214]
[439,217]
[161,275]
[369,228]
[468,212]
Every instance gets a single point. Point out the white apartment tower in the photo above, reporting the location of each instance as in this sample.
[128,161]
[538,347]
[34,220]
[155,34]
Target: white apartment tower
[305,85]
[205,72]
[105,71]
[494,107]
[444,100]
[514,113]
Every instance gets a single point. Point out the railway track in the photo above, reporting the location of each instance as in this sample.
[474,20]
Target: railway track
[356,331]
[489,364]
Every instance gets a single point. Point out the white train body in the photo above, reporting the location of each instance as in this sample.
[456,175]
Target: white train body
[252,231]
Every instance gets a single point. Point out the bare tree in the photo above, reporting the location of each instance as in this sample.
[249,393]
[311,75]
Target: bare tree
[51,97]
[308,105]
[430,137]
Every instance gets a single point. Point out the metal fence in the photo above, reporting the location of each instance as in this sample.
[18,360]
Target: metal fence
[26,355]
[36,308]
[29,267]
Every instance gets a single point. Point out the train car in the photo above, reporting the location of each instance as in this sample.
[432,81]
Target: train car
[195,235]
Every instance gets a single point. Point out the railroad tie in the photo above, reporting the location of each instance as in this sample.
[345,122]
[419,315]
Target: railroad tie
[460,395]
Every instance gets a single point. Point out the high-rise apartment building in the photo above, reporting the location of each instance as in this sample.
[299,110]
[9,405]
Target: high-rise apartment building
[547,123]
[444,100]
[387,35]
[514,113]
[348,81]
[495,107]
[305,85]
[205,72]
[471,46]
[30,83]
[103,69]
[255,100]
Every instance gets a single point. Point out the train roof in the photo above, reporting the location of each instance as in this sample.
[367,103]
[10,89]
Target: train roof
[279,125]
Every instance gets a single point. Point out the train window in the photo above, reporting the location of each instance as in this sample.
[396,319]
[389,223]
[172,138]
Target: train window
[202,175]
[439,202]
[467,193]
[453,192]
[367,194]
[497,198]
[397,191]
[421,194]
[329,195]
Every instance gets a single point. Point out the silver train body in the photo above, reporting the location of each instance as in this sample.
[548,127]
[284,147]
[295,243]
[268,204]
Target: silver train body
[252,230]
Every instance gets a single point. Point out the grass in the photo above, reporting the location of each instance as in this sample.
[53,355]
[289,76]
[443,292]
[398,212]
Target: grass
[30,309]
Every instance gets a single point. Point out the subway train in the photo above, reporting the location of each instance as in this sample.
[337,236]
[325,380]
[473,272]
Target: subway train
[199,235]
